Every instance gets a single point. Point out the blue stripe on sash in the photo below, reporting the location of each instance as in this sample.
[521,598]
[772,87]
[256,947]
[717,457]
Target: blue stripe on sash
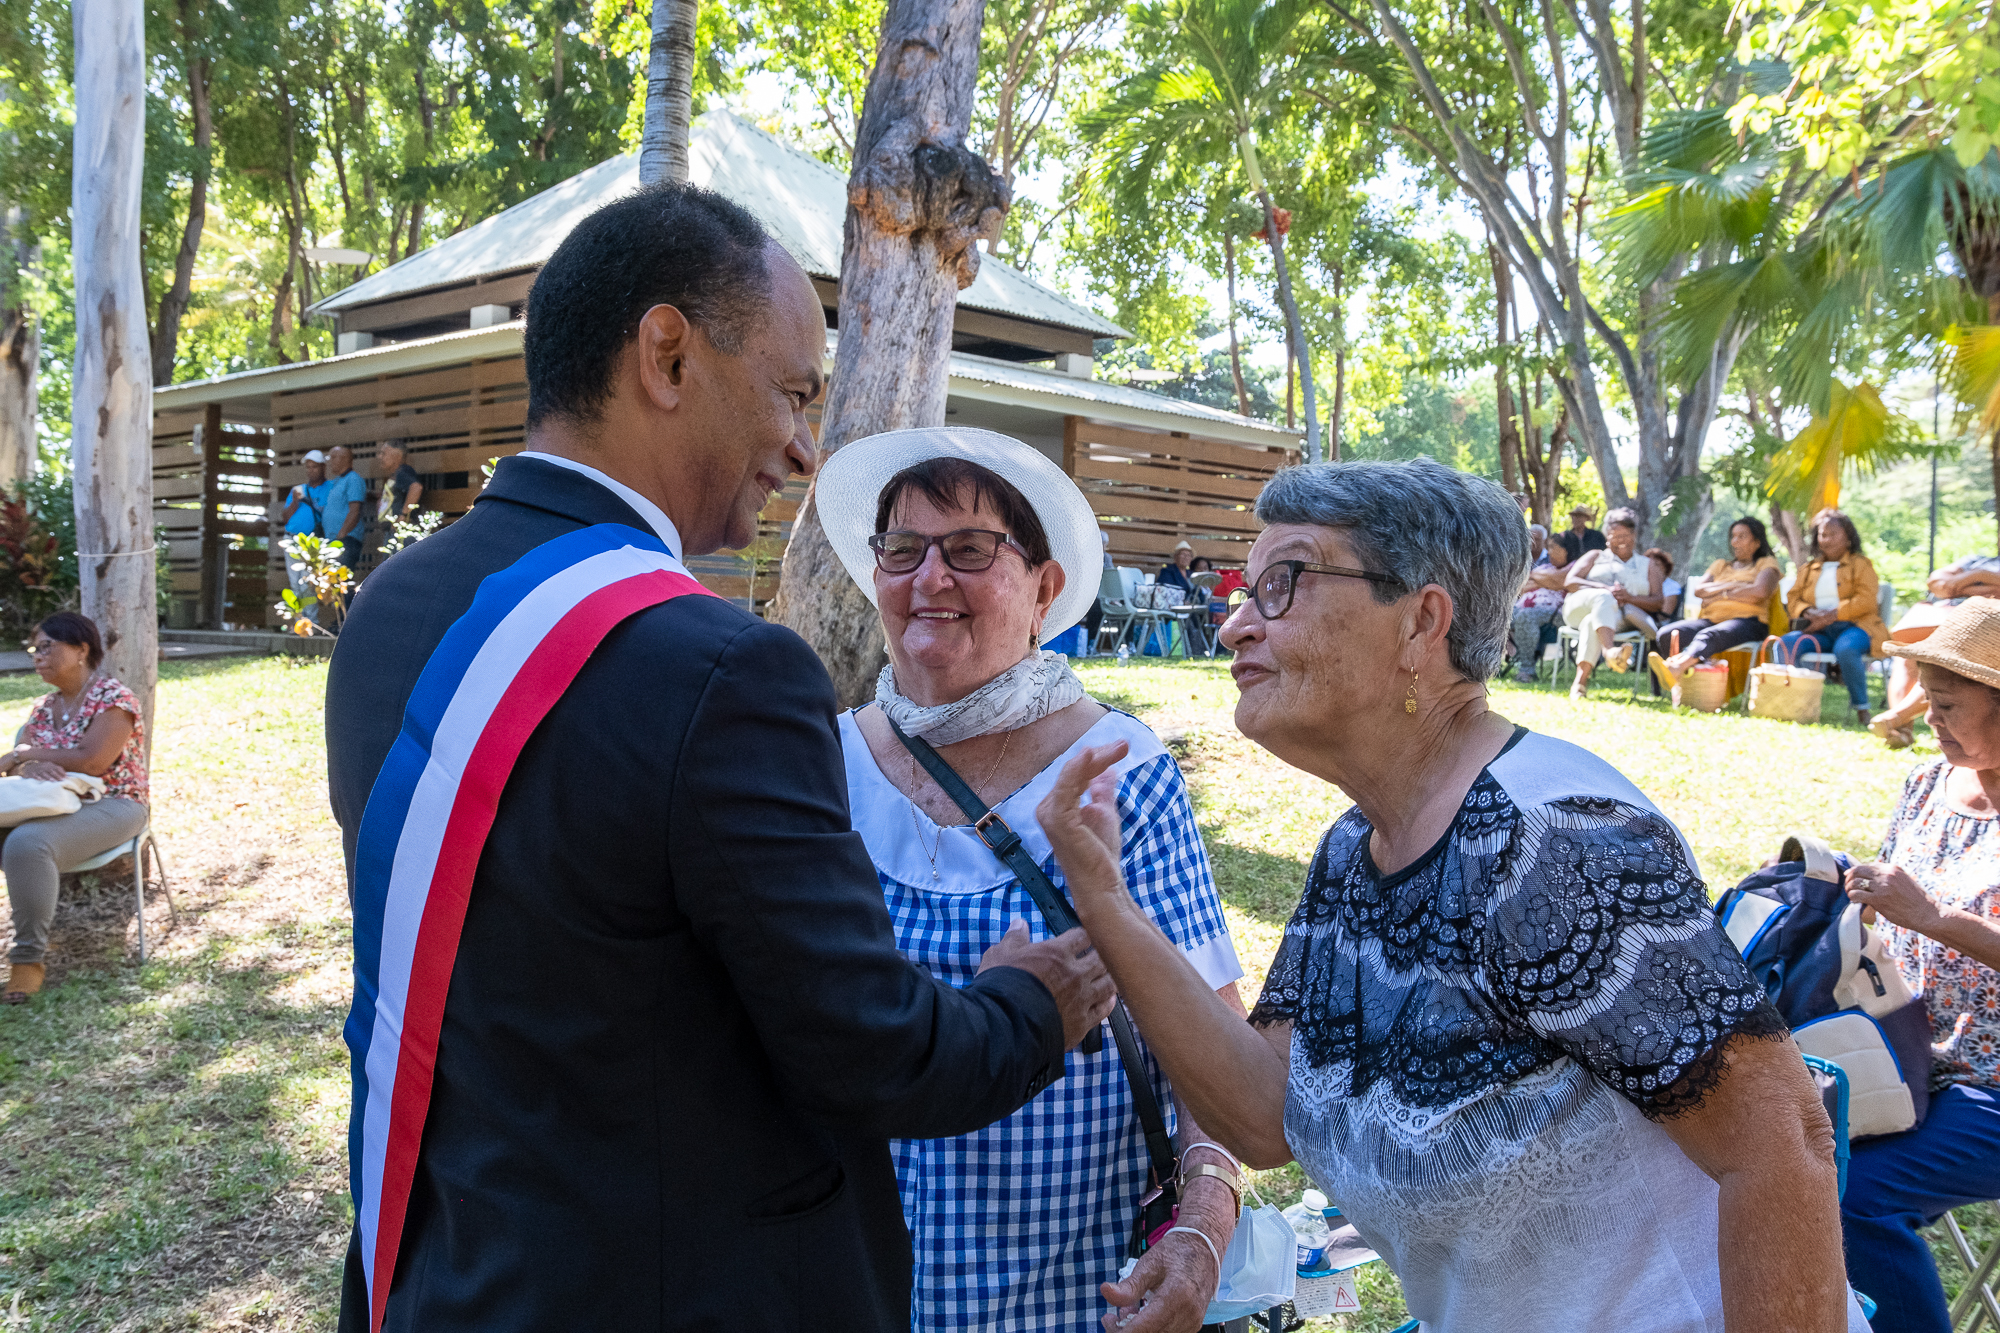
[389,799]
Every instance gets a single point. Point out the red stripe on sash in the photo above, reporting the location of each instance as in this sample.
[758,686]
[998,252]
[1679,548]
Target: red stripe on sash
[547,672]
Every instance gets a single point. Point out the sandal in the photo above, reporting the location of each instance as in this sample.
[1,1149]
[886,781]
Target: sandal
[1619,659]
[1900,738]
[1664,673]
[24,984]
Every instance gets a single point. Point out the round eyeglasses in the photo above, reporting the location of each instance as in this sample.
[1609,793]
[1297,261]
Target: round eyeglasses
[968,550]
[1277,584]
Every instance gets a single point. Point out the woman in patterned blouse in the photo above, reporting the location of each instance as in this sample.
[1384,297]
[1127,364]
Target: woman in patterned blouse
[1938,886]
[89,724]
[1502,1031]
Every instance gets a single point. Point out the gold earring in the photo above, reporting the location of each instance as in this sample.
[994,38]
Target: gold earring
[1410,700]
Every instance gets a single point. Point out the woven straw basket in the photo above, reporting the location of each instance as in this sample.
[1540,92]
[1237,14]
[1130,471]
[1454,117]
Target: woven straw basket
[1704,687]
[1784,690]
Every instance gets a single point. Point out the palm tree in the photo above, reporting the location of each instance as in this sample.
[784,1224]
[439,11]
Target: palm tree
[663,149]
[1223,73]
[1902,256]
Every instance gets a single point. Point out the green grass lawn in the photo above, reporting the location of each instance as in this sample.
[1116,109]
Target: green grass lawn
[176,1132]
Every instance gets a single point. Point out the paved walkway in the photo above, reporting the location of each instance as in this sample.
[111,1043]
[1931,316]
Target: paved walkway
[169,652]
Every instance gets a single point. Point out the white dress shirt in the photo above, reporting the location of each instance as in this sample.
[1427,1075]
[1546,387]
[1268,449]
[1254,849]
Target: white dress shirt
[647,510]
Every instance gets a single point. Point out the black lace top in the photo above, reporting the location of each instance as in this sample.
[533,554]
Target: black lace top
[1579,929]
[1481,1043]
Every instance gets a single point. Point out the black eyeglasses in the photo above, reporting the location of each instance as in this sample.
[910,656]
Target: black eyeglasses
[1278,582]
[969,550]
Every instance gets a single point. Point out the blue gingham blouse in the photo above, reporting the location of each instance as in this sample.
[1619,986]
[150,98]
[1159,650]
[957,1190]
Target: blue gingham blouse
[1015,1226]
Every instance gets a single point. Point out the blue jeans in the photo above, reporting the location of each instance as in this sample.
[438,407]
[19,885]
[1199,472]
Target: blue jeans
[1900,1182]
[1848,643]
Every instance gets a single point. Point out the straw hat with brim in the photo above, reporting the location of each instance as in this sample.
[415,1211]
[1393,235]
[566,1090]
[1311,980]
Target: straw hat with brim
[1966,641]
[849,487]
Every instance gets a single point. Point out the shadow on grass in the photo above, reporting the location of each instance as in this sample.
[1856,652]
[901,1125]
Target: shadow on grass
[1261,885]
[152,1116]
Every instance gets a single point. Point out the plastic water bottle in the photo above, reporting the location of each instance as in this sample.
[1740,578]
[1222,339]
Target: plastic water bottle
[1124,654]
[1310,1231]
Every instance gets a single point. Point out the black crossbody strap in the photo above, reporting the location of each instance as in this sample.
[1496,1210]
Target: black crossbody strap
[1004,843]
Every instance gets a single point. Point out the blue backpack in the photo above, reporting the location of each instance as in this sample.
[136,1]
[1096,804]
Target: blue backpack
[1826,973]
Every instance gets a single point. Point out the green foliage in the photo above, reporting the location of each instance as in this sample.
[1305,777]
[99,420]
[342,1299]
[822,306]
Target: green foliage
[1862,71]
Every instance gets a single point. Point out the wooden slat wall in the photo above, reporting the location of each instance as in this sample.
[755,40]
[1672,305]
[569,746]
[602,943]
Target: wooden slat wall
[239,489]
[1152,491]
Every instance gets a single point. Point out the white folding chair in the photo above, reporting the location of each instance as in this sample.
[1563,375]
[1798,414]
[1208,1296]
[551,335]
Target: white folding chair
[1885,604]
[137,848]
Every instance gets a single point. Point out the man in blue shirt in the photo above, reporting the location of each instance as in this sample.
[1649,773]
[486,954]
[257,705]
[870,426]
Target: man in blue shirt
[301,516]
[346,496]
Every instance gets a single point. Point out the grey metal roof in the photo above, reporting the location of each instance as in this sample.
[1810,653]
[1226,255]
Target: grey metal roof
[800,199]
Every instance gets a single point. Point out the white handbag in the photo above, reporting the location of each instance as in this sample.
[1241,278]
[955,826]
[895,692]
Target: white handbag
[23,799]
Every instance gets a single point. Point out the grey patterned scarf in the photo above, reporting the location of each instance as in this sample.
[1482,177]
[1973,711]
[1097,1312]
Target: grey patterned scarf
[1039,684]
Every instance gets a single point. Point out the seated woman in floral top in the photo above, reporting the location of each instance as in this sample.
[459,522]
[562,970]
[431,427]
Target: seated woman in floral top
[1938,886]
[89,724]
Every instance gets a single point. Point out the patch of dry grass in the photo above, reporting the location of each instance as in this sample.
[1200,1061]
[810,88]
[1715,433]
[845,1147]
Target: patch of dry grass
[175,1132]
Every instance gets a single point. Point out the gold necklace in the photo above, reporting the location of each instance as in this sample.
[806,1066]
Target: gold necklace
[931,853]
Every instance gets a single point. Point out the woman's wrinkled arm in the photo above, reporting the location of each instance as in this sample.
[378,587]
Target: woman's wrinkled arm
[1231,1075]
[1761,1133]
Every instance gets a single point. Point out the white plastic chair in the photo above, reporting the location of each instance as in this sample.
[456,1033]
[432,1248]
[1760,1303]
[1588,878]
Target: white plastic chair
[136,847]
[1885,606]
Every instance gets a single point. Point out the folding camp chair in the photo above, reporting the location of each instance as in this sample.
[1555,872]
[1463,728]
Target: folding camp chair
[1976,1297]
[137,848]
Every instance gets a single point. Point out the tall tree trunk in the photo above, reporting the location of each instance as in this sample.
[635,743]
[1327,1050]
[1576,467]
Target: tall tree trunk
[20,353]
[918,203]
[1513,455]
[173,306]
[663,151]
[1291,310]
[112,395]
[1235,352]
[1339,372]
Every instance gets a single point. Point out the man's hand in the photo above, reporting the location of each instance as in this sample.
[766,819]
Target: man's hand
[1068,966]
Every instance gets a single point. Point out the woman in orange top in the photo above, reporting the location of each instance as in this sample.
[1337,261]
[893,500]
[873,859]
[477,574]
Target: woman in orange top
[1833,605]
[1735,604]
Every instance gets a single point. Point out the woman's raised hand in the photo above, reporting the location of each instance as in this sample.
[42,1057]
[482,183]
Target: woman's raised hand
[1086,837]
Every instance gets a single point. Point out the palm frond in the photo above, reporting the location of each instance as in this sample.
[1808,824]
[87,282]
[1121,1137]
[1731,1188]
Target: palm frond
[1975,370]
[1857,431]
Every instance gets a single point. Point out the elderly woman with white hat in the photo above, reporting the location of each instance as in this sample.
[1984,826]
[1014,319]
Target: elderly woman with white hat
[1938,886]
[976,549]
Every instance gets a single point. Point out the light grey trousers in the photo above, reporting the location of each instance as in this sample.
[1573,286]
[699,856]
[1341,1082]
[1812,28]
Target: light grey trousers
[35,855]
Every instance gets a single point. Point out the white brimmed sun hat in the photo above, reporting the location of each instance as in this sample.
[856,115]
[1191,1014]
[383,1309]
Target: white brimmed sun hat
[849,487]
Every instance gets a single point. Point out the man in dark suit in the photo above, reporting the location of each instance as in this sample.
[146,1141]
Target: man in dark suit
[677,1033]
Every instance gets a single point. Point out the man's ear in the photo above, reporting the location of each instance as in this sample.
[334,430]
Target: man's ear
[663,344]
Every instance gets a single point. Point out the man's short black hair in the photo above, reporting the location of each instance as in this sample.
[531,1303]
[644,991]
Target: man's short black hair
[669,244]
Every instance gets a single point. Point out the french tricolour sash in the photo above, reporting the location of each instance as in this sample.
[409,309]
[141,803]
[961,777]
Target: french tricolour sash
[491,680]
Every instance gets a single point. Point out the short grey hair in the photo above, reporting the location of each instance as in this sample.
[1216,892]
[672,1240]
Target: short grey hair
[1420,522]
[1622,517]
[1537,530]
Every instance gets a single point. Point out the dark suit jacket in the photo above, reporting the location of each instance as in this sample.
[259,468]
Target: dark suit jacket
[678,1032]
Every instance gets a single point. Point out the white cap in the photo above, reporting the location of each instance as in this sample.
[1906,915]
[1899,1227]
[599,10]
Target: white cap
[314,456]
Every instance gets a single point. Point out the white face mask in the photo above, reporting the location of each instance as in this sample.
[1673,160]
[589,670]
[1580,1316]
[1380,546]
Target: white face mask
[1258,1268]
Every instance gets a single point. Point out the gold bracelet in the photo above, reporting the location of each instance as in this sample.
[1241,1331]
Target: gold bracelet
[1230,1180]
